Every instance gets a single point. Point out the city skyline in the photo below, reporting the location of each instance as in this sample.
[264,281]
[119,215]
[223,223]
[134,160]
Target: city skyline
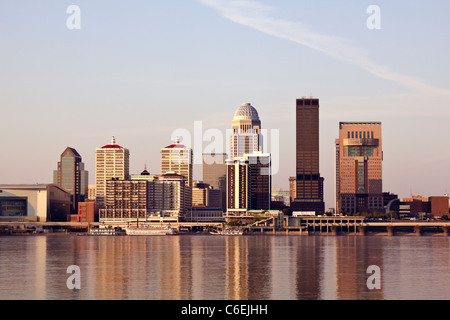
[120,71]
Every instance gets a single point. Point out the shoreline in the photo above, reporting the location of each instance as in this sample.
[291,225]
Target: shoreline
[310,234]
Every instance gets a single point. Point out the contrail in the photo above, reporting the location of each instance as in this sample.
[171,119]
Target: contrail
[258,16]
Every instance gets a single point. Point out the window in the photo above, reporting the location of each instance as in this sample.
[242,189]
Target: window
[14,206]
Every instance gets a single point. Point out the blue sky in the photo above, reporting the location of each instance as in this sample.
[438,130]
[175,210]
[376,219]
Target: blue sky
[138,70]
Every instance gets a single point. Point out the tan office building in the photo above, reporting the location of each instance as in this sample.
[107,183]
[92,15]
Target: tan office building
[177,158]
[111,161]
[358,169]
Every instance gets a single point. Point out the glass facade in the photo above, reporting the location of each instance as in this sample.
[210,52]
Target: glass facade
[71,176]
[13,207]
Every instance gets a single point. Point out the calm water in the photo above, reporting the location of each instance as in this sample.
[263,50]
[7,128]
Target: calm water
[217,267]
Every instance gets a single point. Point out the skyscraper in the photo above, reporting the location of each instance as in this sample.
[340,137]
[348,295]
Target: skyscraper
[260,181]
[249,183]
[249,180]
[71,176]
[111,161]
[309,183]
[177,158]
[358,173]
[238,177]
[245,137]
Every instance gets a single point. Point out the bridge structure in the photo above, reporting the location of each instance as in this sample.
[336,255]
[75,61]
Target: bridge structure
[275,225]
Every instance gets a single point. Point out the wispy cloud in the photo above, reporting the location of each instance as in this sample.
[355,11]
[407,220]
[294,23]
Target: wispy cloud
[260,17]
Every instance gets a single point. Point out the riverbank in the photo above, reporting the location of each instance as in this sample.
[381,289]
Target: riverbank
[299,227]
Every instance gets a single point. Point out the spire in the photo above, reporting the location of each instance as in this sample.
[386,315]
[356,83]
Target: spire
[113,144]
[145,172]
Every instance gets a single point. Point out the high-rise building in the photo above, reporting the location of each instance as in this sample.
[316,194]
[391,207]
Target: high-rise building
[249,183]
[260,181]
[238,177]
[248,173]
[245,137]
[358,170]
[71,176]
[214,173]
[177,158]
[309,183]
[111,161]
[157,198]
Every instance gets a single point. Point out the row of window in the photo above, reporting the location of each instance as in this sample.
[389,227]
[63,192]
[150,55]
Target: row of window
[360,134]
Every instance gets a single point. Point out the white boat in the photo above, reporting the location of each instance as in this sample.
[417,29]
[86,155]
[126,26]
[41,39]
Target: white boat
[150,231]
[229,232]
[105,231]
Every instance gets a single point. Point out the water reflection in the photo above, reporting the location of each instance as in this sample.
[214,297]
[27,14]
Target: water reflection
[215,267]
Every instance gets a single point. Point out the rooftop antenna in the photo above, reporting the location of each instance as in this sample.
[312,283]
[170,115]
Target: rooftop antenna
[113,140]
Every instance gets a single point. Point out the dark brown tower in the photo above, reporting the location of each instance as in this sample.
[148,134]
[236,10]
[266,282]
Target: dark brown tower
[309,183]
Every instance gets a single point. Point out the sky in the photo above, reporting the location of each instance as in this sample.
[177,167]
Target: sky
[142,70]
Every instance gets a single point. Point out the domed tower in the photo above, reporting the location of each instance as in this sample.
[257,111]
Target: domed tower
[246,118]
[245,137]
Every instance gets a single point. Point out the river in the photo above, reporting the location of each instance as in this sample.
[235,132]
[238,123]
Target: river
[200,267]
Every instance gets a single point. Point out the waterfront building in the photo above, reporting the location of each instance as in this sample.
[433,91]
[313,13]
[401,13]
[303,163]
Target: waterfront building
[248,169]
[71,176]
[260,195]
[87,212]
[177,158]
[358,169]
[159,198]
[420,207]
[214,173]
[111,162]
[39,202]
[204,214]
[238,176]
[249,183]
[245,137]
[309,183]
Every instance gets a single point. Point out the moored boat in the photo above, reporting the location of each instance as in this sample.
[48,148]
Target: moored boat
[106,231]
[228,232]
[150,231]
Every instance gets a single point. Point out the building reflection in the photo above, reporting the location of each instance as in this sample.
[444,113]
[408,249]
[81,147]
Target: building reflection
[354,255]
[234,268]
[308,268]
